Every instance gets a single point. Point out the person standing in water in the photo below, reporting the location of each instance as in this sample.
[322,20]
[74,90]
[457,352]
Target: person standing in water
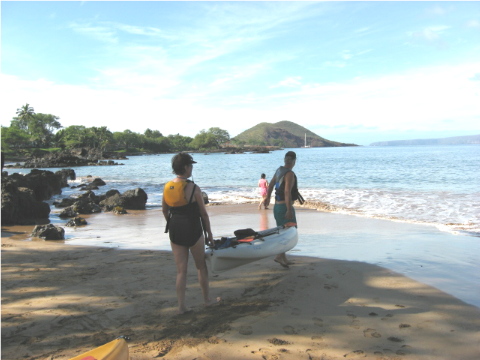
[263,185]
[285,183]
[188,225]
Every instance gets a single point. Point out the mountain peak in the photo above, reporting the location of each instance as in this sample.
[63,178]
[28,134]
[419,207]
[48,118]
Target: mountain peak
[284,133]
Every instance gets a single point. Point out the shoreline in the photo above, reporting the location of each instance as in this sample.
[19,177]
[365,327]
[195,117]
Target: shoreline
[419,251]
[61,300]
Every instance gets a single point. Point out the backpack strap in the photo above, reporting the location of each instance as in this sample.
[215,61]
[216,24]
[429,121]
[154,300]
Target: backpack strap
[193,192]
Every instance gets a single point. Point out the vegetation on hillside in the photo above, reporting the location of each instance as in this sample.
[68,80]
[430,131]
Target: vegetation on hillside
[285,134]
[33,133]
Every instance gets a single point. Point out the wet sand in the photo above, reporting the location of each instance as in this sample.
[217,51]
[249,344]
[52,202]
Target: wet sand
[61,300]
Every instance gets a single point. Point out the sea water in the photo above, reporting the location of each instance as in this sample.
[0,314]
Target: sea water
[437,185]
[427,186]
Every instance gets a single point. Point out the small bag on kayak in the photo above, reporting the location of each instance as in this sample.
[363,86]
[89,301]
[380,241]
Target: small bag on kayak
[244,233]
[224,243]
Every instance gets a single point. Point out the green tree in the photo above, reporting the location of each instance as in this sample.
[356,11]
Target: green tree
[14,138]
[156,145]
[179,142]
[153,134]
[127,139]
[204,141]
[72,136]
[214,138]
[221,136]
[41,128]
[24,114]
[100,137]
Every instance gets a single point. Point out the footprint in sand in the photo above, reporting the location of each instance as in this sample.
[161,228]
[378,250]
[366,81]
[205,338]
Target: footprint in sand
[245,330]
[268,354]
[296,312]
[317,322]
[395,339]
[289,330]
[405,350]
[352,316]
[354,353]
[330,286]
[355,324]
[387,317]
[371,333]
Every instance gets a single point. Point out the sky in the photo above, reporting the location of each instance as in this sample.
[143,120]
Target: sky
[355,72]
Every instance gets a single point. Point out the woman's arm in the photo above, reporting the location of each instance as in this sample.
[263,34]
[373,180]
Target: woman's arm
[165,209]
[203,213]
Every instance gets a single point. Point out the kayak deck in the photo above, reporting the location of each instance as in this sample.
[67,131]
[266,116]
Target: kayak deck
[265,243]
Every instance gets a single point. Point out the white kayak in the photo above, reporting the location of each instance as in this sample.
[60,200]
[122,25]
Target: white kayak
[265,243]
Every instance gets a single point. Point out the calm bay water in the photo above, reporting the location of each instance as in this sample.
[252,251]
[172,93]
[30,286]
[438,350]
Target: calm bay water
[423,185]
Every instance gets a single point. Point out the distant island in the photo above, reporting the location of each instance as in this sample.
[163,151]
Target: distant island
[456,140]
[285,134]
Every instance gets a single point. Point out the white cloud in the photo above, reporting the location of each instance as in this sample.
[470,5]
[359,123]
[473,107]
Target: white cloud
[473,24]
[421,100]
[431,33]
[293,81]
[101,33]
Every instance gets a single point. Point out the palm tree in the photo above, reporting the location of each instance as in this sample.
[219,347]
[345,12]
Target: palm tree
[24,114]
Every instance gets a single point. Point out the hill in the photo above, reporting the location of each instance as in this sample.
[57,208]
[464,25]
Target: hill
[456,140]
[285,134]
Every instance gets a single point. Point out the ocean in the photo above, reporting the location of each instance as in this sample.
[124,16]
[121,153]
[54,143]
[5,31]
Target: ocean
[431,187]
[436,185]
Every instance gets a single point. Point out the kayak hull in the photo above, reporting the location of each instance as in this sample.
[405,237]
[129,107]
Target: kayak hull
[114,350]
[278,240]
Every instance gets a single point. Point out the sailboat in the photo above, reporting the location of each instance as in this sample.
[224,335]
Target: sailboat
[306,146]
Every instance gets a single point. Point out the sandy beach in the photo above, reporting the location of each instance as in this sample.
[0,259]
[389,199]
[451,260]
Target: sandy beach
[61,300]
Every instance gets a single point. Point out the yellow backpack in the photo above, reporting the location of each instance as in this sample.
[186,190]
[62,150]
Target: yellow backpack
[174,193]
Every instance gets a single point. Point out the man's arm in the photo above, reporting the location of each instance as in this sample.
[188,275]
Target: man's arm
[289,181]
[271,185]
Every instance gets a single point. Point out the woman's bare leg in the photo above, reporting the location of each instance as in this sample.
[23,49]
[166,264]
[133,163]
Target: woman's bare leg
[198,253]
[180,254]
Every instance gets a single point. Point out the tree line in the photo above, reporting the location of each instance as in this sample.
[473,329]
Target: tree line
[29,130]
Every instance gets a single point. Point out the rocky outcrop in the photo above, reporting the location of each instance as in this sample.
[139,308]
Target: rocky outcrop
[130,199]
[49,232]
[113,200]
[23,195]
[44,183]
[20,207]
[71,158]
[135,199]
[76,221]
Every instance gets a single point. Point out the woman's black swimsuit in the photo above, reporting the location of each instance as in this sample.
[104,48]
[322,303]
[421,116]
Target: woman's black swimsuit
[184,223]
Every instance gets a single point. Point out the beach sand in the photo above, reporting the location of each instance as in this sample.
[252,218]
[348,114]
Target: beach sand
[61,300]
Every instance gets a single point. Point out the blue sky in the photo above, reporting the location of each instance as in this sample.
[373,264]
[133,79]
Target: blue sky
[354,72]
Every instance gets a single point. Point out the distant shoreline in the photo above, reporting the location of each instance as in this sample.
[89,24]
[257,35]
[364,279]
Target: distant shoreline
[455,140]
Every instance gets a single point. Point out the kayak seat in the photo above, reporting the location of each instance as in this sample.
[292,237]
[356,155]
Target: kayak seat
[244,233]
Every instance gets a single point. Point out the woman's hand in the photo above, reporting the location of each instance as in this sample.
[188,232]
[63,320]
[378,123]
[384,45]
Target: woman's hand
[209,240]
